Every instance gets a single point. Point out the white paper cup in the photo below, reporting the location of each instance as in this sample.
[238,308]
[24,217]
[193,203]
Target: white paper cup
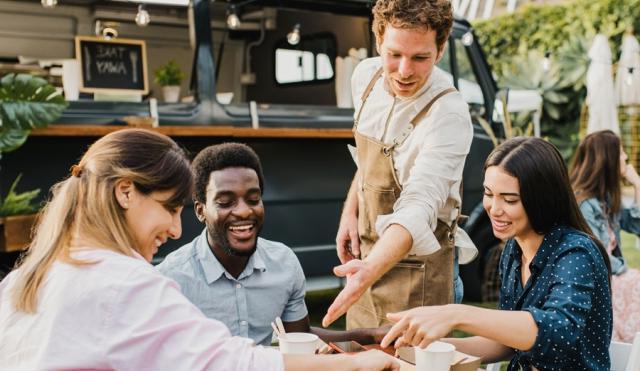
[298,343]
[437,356]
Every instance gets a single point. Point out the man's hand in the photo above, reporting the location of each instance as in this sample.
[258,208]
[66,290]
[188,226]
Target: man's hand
[419,326]
[359,278]
[347,240]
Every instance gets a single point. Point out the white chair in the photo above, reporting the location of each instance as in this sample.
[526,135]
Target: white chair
[624,356]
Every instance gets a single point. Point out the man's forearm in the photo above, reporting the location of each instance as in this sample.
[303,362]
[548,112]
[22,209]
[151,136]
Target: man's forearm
[362,336]
[351,202]
[394,244]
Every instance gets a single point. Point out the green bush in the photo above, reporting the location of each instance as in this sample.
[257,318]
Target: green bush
[516,43]
[169,74]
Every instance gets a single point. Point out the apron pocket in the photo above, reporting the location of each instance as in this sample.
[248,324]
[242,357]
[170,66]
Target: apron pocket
[375,201]
[401,288]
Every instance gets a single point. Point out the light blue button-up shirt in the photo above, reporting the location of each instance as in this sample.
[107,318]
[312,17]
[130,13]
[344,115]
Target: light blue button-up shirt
[271,285]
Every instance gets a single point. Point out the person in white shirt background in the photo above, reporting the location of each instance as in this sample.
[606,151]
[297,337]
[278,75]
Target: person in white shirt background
[397,235]
[85,295]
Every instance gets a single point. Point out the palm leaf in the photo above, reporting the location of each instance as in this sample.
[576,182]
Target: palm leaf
[11,139]
[28,102]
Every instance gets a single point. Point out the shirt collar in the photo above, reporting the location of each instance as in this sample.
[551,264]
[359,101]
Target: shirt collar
[213,269]
[545,250]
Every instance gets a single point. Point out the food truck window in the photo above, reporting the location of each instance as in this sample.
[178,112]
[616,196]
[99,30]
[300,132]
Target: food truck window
[311,61]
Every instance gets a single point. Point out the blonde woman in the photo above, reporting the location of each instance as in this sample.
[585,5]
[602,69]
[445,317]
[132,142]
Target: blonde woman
[86,297]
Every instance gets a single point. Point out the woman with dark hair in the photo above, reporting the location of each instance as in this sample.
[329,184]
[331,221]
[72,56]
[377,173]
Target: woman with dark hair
[86,297]
[599,166]
[555,305]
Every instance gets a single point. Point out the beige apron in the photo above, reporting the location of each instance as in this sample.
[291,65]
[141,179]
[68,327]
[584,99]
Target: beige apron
[412,282]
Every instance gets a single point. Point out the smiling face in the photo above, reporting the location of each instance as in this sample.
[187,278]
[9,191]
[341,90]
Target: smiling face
[233,212]
[408,56]
[503,204]
[151,219]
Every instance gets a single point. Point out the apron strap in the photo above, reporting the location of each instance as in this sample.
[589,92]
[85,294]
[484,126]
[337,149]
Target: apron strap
[426,108]
[416,119]
[365,95]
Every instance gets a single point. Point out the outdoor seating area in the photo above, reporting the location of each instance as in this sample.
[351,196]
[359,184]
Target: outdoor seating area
[429,185]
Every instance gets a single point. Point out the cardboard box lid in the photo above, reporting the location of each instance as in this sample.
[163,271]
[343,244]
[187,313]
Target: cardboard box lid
[461,361]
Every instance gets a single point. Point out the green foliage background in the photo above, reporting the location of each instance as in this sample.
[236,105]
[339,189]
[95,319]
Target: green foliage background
[516,43]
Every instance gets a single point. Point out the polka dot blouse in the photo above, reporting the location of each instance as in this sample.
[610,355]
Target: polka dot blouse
[569,298]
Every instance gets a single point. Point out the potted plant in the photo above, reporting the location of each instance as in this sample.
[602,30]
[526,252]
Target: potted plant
[169,77]
[18,215]
[26,102]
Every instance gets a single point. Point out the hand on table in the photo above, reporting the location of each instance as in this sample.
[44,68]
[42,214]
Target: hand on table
[359,278]
[347,240]
[419,326]
[375,360]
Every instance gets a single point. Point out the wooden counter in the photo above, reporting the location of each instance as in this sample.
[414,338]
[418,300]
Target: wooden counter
[196,131]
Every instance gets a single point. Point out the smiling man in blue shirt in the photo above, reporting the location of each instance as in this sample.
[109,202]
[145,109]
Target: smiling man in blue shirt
[229,272]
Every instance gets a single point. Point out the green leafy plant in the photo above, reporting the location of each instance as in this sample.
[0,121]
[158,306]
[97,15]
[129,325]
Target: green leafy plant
[18,203]
[169,74]
[26,102]
[516,43]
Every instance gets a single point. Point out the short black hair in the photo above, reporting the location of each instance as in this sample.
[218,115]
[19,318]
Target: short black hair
[219,157]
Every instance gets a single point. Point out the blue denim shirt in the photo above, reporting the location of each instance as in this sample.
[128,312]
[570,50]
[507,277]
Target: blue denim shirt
[568,296]
[627,219]
[271,285]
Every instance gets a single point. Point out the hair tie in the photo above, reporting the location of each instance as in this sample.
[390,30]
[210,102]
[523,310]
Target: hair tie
[76,171]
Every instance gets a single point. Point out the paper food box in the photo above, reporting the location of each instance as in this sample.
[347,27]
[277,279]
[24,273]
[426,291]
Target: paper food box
[461,361]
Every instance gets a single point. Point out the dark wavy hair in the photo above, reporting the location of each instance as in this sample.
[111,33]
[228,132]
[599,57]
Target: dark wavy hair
[222,156]
[545,190]
[596,172]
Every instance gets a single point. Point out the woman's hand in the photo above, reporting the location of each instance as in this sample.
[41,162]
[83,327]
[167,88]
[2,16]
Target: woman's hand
[374,360]
[420,326]
[631,175]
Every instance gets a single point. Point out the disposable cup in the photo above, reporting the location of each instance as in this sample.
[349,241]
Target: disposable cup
[298,343]
[437,356]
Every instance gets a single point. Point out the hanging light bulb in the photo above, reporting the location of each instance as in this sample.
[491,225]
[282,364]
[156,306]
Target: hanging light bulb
[629,79]
[233,21]
[142,17]
[49,3]
[546,61]
[293,37]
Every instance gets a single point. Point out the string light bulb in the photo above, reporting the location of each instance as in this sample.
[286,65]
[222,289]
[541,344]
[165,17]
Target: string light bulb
[233,20]
[293,37]
[49,3]
[142,17]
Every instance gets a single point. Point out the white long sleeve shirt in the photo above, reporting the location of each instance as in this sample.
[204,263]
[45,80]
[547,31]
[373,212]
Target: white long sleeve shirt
[118,314]
[429,163]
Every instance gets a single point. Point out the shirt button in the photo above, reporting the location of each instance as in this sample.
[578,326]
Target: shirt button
[243,323]
[238,286]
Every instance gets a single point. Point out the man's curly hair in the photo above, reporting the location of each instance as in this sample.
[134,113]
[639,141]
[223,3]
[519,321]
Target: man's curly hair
[219,157]
[435,15]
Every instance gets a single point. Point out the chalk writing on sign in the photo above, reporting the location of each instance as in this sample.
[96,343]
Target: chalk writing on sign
[112,64]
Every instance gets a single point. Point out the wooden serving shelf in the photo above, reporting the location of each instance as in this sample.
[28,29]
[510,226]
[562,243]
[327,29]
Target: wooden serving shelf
[196,131]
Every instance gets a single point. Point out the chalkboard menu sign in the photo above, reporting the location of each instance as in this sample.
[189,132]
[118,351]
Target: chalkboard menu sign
[114,65]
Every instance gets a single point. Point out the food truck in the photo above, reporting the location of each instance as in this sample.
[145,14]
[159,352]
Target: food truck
[271,74]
